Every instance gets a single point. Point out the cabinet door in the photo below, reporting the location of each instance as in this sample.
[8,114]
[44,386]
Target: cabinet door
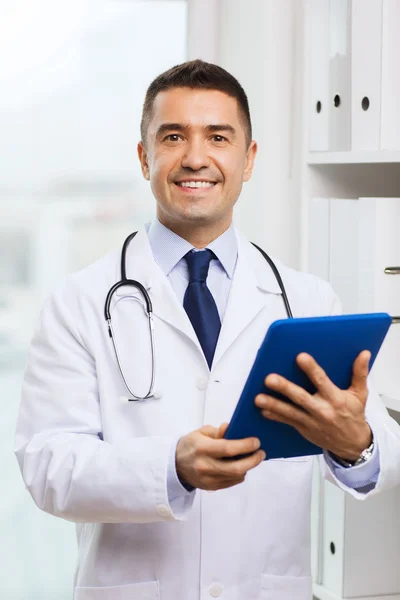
[333,538]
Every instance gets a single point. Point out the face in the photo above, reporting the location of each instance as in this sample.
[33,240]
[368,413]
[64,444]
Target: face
[196,157]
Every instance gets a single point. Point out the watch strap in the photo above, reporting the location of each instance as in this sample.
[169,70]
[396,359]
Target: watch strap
[364,456]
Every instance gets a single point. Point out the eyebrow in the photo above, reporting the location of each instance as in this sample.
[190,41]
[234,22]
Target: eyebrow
[166,127]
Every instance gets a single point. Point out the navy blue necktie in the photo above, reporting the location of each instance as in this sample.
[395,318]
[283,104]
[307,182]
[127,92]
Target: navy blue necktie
[199,303]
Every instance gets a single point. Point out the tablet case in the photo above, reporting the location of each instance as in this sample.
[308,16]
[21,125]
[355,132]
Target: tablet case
[334,342]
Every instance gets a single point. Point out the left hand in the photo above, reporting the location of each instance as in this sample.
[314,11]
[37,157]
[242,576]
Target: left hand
[332,418]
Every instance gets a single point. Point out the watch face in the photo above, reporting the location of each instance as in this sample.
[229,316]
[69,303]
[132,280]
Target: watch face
[365,455]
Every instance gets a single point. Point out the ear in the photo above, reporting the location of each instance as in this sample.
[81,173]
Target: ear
[250,158]
[142,154]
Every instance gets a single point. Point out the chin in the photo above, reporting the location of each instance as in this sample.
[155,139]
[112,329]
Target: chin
[196,214]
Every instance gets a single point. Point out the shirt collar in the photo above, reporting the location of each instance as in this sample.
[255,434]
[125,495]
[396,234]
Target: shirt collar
[168,248]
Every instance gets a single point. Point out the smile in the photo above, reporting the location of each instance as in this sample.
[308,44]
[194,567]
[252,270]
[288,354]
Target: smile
[195,184]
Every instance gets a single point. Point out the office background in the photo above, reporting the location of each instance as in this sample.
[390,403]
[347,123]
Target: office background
[324,89]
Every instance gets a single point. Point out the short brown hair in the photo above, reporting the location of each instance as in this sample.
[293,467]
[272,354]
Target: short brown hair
[201,75]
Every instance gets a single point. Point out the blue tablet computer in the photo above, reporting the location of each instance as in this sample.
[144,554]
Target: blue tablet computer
[334,342]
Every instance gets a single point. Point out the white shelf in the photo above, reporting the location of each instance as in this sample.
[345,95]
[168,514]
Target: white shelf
[323,594]
[392,403]
[351,158]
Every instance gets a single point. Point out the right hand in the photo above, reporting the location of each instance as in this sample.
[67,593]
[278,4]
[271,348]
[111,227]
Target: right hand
[200,458]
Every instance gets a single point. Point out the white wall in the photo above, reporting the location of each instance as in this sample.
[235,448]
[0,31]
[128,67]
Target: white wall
[260,42]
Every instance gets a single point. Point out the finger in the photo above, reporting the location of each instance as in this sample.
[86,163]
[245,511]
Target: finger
[210,431]
[236,469]
[317,376]
[294,392]
[279,410]
[213,445]
[222,429]
[360,372]
[231,448]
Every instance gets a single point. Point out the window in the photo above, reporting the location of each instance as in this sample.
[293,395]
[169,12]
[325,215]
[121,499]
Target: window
[73,77]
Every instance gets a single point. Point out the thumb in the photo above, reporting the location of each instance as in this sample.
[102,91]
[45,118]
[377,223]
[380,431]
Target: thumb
[360,372]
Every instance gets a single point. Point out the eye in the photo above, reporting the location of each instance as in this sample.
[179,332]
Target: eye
[172,137]
[219,138]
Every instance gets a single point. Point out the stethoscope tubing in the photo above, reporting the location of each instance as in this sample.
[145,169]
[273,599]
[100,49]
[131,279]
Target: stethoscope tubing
[149,312]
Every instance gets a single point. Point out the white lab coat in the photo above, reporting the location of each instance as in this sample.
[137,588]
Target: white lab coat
[249,542]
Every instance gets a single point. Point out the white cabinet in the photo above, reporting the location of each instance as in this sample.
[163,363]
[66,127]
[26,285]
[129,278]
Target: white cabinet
[350,234]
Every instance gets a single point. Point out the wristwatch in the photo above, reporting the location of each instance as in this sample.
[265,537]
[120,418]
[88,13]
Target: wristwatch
[364,456]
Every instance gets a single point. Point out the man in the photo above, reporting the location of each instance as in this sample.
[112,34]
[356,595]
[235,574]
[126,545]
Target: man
[137,476]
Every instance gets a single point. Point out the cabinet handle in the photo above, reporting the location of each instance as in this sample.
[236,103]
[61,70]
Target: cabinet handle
[392,271]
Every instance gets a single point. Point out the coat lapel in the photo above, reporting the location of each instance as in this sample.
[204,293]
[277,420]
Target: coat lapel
[141,266]
[253,287]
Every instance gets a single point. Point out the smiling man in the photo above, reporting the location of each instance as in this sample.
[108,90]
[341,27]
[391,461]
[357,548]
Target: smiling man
[196,164]
[136,476]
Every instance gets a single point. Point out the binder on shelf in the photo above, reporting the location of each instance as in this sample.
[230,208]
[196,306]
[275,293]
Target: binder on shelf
[379,244]
[390,126]
[340,75]
[366,43]
[319,75]
[319,237]
[355,564]
[333,541]
[363,241]
[317,497]
[344,249]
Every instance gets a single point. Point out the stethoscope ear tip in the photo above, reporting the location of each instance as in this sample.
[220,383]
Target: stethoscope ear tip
[124,400]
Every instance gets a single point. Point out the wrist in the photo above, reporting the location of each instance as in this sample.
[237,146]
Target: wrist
[179,472]
[187,486]
[363,455]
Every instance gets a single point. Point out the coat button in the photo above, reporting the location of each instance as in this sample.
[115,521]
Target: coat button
[202,383]
[215,590]
[163,510]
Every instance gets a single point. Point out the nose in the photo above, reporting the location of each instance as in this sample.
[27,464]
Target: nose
[195,156]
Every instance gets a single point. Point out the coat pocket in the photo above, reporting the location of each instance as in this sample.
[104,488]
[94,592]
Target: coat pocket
[147,590]
[292,459]
[281,587]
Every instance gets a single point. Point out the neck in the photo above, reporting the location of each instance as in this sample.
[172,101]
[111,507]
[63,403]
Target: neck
[198,235]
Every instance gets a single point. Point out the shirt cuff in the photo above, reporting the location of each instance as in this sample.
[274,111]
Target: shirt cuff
[176,491]
[359,477]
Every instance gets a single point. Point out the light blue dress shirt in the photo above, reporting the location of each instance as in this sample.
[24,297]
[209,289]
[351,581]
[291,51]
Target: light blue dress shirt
[169,250]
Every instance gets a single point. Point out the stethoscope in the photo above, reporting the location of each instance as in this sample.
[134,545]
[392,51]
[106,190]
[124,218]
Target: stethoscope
[149,312]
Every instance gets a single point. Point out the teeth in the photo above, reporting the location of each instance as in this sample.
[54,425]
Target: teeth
[196,184]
